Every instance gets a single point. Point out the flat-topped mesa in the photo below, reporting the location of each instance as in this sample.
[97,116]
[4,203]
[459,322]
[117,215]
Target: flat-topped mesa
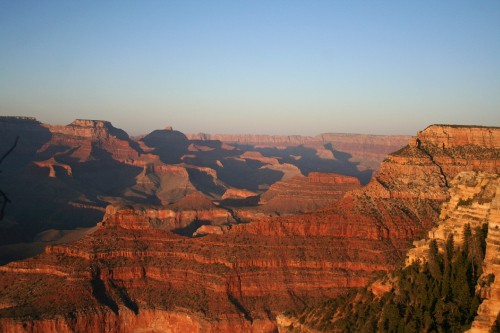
[461,148]
[19,119]
[438,153]
[300,194]
[94,129]
[331,178]
[85,135]
[254,139]
[451,136]
[183,214]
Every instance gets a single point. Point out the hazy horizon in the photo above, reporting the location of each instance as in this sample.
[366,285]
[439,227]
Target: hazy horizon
[282,67]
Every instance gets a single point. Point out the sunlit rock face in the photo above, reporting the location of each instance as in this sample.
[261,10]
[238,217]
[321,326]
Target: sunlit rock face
[301,194]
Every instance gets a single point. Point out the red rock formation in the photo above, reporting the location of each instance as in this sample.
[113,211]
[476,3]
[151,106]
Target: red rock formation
[236,281]
[130,270]
[181,214]
[300,194]
[166,183]
[234,193]
[257,156]
[82,137]
[368,150]
[459,148]
[51,164]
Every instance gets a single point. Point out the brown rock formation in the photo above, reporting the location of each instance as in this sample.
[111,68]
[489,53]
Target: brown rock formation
[131,271]
[368,150]
[165,183]
[489,309]
[300,194]
[193,208]
[82,137]
[234,193]
[125,270]
[470,202]
[52,164]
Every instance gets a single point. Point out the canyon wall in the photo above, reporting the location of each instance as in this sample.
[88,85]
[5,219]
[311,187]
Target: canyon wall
[366,150]
[240,279]
[301,194]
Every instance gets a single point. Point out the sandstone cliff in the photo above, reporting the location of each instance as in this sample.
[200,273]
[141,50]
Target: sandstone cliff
[489,310]
[471,199]
[300,194]
[85,138]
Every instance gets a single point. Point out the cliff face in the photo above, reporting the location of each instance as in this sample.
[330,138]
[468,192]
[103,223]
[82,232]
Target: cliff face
[457,148]
[472,196]
[84,138]
[366,150]
[129,269]
[185,215]
[300,194]
[489,309]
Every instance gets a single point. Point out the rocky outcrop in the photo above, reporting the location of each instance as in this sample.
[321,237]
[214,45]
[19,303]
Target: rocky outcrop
[84,138]
[193,208]
[52,165]
[211,229]
[31,136]
[455,136]
[460,148]
[160,182]
[233,281]
[233,193]
[367,150]
[471,197]
[300,194]
[489,310]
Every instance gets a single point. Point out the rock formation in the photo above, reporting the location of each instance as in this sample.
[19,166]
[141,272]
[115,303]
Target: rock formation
[368,150]
[134,274]
[471,200]
[83,138]
[301,194]
[489,309]
[474,201]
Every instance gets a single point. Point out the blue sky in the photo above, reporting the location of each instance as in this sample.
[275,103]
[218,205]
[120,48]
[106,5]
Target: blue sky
[274,67]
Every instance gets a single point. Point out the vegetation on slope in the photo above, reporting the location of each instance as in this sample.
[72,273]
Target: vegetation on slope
[434,296]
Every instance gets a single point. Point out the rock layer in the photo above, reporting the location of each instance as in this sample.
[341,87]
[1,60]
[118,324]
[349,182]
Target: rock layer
[368,150]
[489,310]
[471,198]
[240,279]
[300,194]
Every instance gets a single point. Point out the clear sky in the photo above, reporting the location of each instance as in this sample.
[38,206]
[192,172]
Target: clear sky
[274,67]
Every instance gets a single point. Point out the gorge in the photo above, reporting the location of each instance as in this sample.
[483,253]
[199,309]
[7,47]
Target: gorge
[199,235]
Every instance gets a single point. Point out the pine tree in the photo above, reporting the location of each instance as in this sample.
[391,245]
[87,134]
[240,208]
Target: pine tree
[467,234]
[435,261]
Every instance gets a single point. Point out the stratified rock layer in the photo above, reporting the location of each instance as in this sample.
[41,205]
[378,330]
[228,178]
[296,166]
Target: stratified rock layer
[368,150]
[471,198]
[300,194]
[128,272]
[489,310]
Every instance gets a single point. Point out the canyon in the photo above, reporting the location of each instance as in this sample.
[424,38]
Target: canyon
[186,245]
[64,177]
